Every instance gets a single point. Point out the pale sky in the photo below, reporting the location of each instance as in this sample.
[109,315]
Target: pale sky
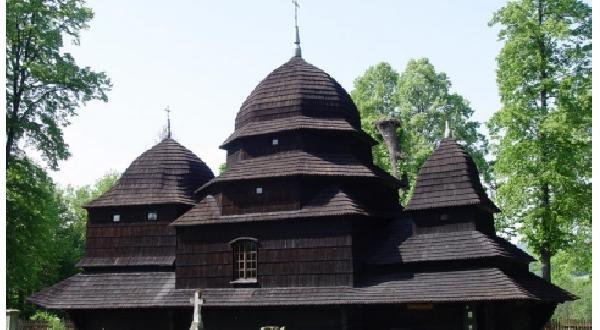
[203,58]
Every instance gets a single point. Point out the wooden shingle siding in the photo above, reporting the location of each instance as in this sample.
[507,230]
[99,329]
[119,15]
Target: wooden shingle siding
[288,255]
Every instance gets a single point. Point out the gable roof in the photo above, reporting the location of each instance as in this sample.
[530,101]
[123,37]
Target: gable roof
[168,173]
[449,178]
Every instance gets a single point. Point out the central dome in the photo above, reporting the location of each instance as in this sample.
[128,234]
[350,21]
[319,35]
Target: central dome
[297,88]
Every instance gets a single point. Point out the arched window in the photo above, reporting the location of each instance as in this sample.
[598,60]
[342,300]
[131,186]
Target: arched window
[244,259]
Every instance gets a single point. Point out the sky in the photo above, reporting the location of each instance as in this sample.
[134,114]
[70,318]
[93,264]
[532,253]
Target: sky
[203,58]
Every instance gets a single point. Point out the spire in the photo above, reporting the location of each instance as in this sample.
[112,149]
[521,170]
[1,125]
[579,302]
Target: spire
[297,42]
[168,122]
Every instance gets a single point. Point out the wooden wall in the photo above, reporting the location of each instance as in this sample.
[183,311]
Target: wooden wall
[290,254]
[321,142]
[132,319]
[133,235]
[278,195]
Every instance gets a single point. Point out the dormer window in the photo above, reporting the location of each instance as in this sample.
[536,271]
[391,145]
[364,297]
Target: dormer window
[244,259]
[275,142]
[259,190]
[116,217]
[152,216]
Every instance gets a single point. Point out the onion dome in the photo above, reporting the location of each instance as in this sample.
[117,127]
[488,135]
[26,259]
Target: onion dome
[449,178]
[168,173]
[297,88]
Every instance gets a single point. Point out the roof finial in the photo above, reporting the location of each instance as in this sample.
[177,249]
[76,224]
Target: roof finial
[168,111]
[447,130]
[297,42]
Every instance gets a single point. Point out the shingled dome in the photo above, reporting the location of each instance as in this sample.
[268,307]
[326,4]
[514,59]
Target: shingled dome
[449,178]
[168,173]
[297,88]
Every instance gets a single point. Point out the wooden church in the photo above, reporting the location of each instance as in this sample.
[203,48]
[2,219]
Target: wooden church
[301,231]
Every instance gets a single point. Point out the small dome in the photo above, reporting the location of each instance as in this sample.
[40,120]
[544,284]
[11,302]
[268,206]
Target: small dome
[297,88]
[168,173]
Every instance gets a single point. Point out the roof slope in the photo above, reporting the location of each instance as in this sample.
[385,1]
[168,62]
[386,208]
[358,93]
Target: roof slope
[484,284]
[168,173]
[114,290]
[448,178]
[296,123]
[302,163]
[297,88]
[329,202]
[440,246]
[157,289]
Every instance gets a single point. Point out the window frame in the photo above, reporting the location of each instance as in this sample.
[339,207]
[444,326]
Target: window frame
[152,212]
[245,260]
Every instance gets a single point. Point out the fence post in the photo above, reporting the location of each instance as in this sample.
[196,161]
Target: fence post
[12,317]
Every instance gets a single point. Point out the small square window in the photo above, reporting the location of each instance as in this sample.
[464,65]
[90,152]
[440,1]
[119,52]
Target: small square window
[259,190]
[152,216]
[116,217]
[275,142]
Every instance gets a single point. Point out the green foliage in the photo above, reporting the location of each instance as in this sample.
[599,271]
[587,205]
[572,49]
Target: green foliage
[33,216]
[45,229]
[223,168]
[568,274]
[542,133]
[44,86]
[421,98]
[53,321]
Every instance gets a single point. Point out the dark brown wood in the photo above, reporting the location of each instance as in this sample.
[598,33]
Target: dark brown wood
[334,249]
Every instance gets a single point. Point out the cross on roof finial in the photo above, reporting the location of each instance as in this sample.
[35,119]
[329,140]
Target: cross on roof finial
[168,111]
[297,42]
[447,130]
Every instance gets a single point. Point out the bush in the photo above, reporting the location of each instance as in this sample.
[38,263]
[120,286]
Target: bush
[54,322]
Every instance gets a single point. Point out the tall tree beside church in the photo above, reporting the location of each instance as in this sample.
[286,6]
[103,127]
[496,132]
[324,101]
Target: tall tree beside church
[421,98]
[44,86]
[543,129]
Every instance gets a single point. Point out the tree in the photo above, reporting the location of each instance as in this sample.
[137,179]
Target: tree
[44,86]
[542,132]
[45,229]
[421,98]
[33,216]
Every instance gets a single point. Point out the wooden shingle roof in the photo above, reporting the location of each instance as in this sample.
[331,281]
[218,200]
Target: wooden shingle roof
[327,203]
[126,261]
[114,290]
[449,178]
[302,163]
[485,284]
[443,246]
[157,289]
[293,124]
[168,173]
[297,88]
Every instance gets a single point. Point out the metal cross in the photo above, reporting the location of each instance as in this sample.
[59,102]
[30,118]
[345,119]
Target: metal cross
[168,111]
[296,6]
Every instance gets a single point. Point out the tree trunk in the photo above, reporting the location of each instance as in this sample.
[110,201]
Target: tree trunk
[545,254]
[546,266]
